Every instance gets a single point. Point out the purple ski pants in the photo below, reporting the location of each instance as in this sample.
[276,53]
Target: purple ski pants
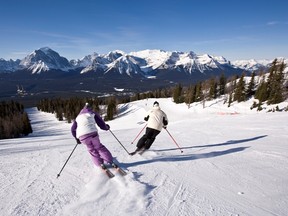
[97,150]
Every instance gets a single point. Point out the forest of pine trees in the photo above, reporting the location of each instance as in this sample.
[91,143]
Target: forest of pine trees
[14,122]
[68,109]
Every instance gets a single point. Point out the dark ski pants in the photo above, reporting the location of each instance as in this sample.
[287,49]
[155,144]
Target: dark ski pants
[147,139]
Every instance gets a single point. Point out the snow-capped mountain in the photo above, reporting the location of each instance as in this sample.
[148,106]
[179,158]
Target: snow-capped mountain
[9,66]
[141,62]
[44,59]
[85,61]
[252,64]
[125,64]
[256,65]
[147,62]
[152,59]
[190,61]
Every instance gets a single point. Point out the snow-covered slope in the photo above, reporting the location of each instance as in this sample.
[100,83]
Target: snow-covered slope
[234,163]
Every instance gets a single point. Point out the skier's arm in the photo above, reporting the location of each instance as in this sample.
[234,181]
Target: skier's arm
[99,121]
[165,121]
[73,129]
[146,118]
[148,114]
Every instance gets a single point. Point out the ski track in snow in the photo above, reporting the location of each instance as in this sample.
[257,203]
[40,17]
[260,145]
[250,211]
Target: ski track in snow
[231,165]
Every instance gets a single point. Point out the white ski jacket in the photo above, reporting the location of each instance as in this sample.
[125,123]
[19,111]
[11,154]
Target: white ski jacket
[156,118]
[86,124]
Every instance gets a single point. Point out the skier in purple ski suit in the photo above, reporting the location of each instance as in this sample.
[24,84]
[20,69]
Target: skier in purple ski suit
[85,131]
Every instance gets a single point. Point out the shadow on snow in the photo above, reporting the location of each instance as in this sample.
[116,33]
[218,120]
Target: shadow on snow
[230,142]
[188,157]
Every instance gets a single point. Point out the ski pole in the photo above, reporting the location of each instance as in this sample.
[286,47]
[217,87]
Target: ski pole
[139,134]
[119,142]
[174,140]
[58,175]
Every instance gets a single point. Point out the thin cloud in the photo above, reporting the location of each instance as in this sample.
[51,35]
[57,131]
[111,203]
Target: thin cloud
[272,23]
[120,33]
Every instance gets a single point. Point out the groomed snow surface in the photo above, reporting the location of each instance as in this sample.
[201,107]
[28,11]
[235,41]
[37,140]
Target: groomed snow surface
[234,162]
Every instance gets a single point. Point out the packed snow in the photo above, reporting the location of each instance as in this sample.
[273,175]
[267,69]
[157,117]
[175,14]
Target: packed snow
[234,162]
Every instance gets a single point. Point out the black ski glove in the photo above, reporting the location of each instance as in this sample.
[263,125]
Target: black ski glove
[107,127]
[78,141]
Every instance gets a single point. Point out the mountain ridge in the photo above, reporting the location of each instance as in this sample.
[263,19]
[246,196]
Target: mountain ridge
[45,59]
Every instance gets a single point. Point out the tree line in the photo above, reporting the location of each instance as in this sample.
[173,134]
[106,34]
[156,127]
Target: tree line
[272,89]
[68,109]
[14,121]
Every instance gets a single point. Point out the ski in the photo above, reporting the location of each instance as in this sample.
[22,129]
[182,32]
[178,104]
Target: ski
[119,169]
[140,152]
[107,171]
[132,153]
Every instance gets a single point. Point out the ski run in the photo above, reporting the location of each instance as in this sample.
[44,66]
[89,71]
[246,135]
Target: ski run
[234,162]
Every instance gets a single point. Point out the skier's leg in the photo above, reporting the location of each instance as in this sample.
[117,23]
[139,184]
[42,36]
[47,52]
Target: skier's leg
[141,142]
[105,153]
[152,136]
[149,142]
[90,143]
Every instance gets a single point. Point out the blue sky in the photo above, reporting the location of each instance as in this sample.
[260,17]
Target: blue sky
[233,29]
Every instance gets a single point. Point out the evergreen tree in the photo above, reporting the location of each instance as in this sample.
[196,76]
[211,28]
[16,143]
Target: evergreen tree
[111,108]
[14,120]
[177,94]
[262,91]
[198,93]
[240,90]
[212,89]
[222,84]
[190,95]
[251,86]
[275,83]
[59,115]
[27,129]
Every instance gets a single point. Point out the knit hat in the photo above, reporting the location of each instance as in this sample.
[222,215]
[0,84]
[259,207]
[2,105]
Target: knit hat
[87,105]
[155,104]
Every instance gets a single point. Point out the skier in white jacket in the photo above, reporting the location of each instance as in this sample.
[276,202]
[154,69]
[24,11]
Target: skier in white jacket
[157,119]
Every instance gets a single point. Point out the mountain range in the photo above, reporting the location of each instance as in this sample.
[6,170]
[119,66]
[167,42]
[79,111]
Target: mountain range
[45,72]
[143,62]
